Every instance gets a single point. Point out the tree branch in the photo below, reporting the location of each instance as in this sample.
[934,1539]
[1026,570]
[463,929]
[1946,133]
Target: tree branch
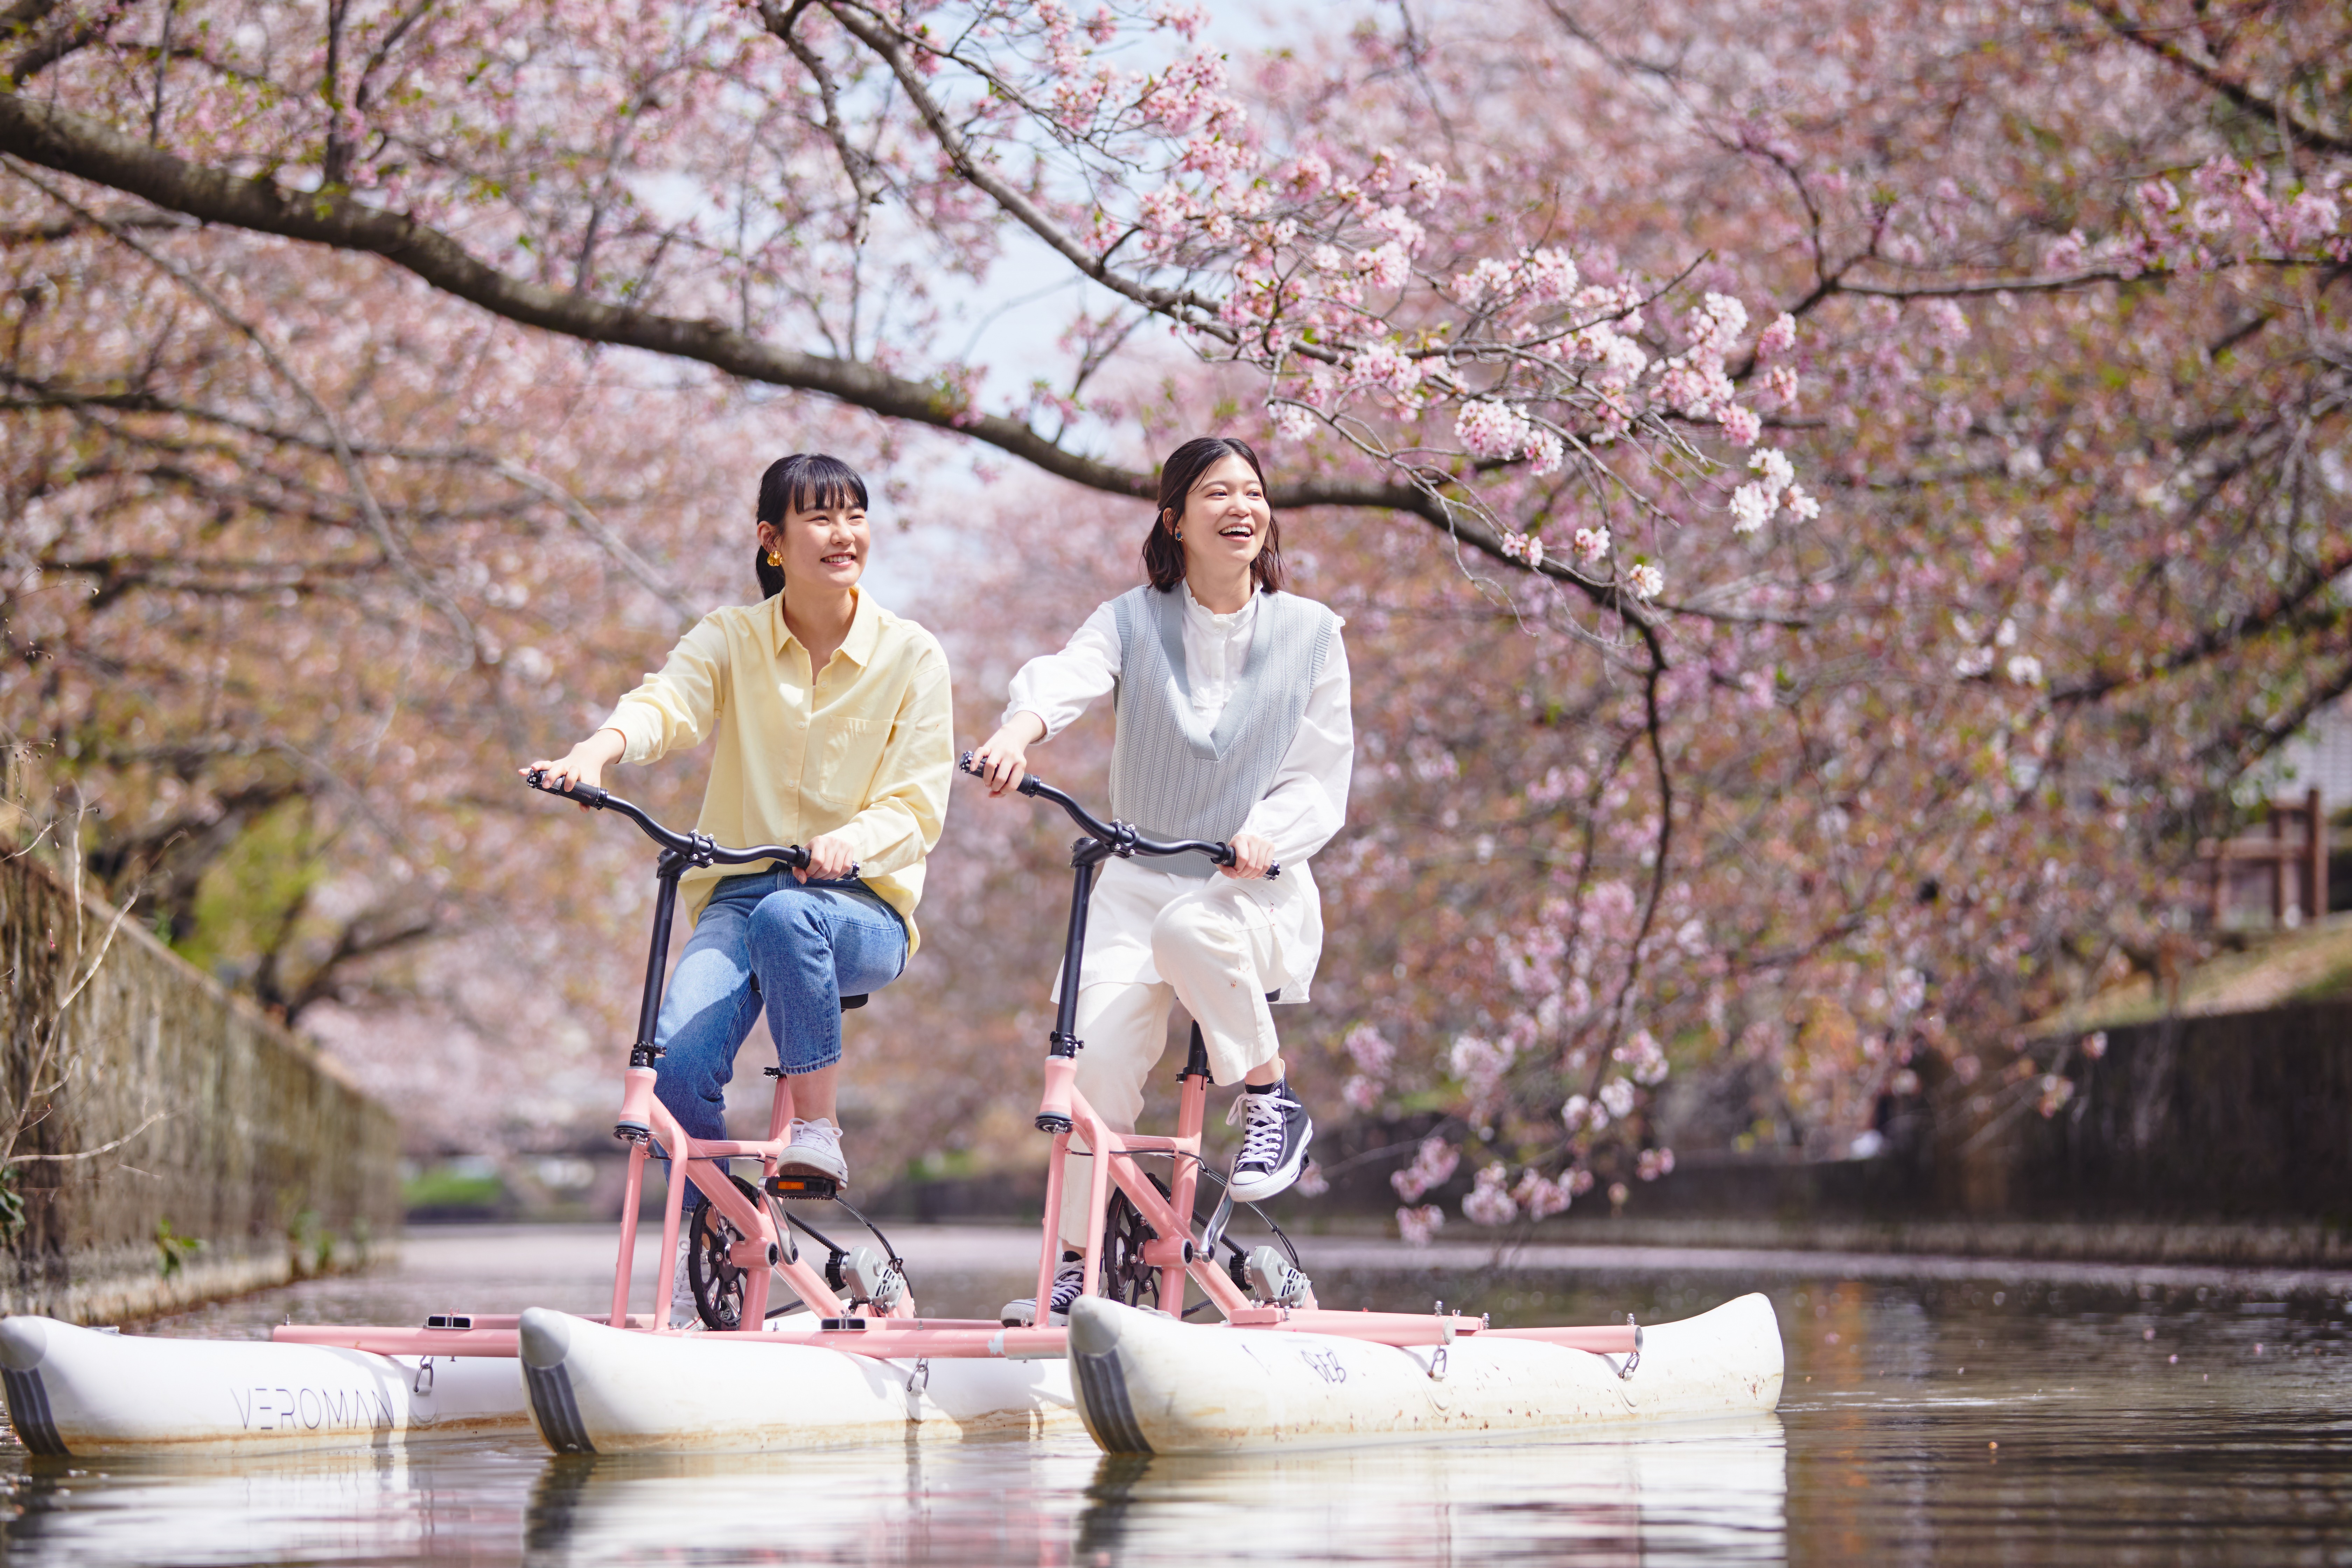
[2292,610]
[88,149]
[106,1148]
[1178,304]
[27,17]
[377,522]
[2318,139]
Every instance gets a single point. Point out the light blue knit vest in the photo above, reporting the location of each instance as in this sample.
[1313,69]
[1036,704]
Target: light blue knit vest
[1170,777]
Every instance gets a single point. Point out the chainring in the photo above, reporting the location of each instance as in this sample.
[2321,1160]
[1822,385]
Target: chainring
[718,1284]
[1126,1276]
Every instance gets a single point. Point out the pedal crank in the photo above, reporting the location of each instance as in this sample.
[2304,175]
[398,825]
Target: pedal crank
[1216,1232]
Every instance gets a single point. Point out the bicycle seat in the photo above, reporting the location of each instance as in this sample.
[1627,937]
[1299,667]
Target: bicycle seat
[849,1002]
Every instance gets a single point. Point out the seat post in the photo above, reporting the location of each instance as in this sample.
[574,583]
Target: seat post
[1192,1089]
[780,1110]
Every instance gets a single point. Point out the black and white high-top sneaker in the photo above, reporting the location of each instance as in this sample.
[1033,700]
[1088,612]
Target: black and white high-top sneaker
[1069,1284]
[1276,1130]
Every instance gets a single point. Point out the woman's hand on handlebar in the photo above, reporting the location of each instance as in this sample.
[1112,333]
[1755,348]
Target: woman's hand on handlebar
[1252,855]
[582,764]
[1003,758]
[830,858]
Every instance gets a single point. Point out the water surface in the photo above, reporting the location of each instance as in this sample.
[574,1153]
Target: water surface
[1935,1411]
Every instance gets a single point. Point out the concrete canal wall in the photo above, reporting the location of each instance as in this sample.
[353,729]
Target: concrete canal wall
[166,1142]
[2231,1117]
[2220,1139]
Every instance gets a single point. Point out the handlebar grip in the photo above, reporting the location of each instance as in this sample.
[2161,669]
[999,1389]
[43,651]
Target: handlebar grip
[1272,869]
[1029,785]
[587,794]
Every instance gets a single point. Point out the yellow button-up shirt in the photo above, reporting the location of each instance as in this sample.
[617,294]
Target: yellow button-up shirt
[866,749]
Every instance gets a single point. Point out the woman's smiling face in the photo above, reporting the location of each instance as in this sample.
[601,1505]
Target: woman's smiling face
[822,545]
[1225,516]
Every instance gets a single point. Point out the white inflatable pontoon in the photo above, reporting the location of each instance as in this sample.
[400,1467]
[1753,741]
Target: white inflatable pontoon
[598,1390]
[89,1391]
[1150,1385]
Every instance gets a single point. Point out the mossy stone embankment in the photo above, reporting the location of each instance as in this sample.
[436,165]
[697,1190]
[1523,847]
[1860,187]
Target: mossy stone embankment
[172,1143]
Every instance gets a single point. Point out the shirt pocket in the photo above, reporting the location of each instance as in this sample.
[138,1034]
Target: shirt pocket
[849,758]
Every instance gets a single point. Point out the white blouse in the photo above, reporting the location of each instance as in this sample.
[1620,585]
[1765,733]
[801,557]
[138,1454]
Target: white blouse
[1299,812]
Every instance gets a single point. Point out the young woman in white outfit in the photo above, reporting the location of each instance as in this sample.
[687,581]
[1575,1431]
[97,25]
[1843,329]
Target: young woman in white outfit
[1232,724]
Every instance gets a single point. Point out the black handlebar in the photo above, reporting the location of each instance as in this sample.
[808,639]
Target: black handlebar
[699,848]
[1124,840]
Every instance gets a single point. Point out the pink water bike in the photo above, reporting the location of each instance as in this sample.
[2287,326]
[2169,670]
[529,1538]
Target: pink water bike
[1146,1243]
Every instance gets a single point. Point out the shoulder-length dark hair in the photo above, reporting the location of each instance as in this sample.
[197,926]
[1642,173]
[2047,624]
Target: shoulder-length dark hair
[802,482]
[1163,555]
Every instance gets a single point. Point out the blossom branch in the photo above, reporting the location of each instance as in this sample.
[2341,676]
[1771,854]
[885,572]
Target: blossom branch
[1178,304]
[2163,42]
[363,493]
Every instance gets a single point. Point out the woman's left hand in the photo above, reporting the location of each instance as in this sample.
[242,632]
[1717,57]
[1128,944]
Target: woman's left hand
[830,860]
[1252,855]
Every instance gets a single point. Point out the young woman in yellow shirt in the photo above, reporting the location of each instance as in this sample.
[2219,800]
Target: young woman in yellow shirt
[834,732]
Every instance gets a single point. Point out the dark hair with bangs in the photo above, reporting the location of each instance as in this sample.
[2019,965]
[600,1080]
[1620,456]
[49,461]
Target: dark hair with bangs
[806,482]
[1164,553]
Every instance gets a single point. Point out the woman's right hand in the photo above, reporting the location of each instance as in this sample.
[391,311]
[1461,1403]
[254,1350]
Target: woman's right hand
[582,764]
[1003,757]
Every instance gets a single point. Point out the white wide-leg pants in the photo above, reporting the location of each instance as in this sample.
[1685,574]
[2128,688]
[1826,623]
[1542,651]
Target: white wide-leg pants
[1217,952]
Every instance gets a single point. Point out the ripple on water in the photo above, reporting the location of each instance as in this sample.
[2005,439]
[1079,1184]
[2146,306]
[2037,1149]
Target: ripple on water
[1981,1418]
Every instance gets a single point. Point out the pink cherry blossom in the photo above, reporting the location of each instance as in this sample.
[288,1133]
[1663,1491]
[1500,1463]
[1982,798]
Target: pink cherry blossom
[1489,1200]
[1432,1164]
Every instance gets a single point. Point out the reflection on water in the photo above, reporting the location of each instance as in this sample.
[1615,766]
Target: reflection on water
[1585,1502]
[1987,1416]
[457,1504]
[1713,1494]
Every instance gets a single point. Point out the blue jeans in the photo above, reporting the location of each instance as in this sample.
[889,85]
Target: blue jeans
[799,948]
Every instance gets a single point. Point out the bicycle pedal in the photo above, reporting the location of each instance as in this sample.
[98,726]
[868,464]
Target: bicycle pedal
[802,1185]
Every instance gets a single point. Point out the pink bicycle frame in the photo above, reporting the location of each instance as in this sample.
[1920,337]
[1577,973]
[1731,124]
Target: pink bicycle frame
[763,1250]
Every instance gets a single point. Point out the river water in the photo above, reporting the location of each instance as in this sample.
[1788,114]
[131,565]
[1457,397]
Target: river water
[1940,1411]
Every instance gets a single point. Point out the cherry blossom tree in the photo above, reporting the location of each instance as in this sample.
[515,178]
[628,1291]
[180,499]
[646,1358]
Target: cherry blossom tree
[1829,500]
[2055,337]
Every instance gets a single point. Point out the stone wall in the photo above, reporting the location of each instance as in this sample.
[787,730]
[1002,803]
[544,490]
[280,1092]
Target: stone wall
[175,1144]
[2218,1139]
[2235,1116]
[2224,1138]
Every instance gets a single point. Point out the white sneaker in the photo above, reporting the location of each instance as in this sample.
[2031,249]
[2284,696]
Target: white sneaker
[683,1313]
[1069,1284]
[815,1148]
